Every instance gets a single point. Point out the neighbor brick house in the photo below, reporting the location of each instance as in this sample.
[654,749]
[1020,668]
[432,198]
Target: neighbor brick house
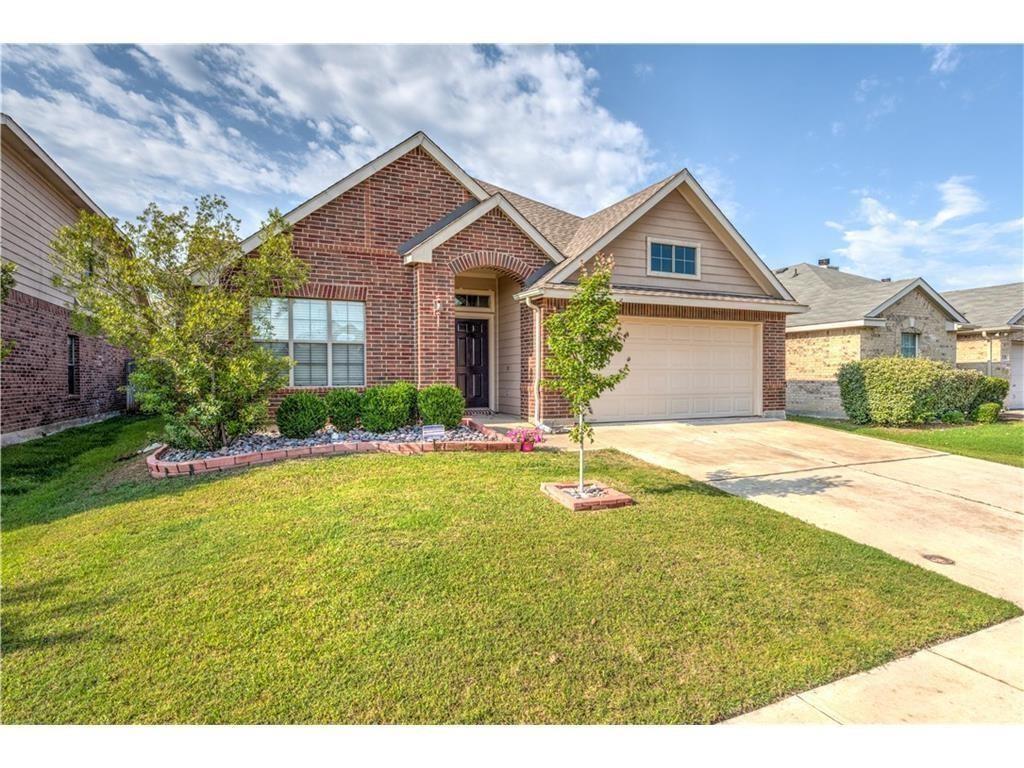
[53,377]
[418,271]
[994,342]
[853,318]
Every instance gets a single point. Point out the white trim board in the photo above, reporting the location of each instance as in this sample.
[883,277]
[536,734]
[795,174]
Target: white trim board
[418,139]
[633,296]
[864,322]
[932,294]
[683,178]
[423,253]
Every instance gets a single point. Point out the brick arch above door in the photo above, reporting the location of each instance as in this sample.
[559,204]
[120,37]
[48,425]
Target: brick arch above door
[504,263]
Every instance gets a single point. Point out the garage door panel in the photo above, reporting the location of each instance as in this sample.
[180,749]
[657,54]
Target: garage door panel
[683,369]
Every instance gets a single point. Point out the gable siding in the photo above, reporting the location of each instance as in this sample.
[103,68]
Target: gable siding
[675,218]
[32,212]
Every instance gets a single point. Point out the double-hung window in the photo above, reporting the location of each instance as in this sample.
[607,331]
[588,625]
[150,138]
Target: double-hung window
[673,258]
[908,344]
[326,339]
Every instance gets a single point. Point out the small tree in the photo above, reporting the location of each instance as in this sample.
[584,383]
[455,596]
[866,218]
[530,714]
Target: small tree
[7,269]
[582,339]
[176,291]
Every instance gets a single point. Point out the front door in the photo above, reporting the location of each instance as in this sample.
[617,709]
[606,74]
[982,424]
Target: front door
[471,374]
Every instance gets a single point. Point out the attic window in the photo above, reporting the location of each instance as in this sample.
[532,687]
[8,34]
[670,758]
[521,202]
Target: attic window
[673,258]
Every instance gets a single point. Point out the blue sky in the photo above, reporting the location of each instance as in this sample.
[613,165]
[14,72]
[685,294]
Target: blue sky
[890,160]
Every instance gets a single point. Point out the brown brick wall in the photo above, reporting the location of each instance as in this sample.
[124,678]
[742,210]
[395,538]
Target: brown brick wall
[34,381]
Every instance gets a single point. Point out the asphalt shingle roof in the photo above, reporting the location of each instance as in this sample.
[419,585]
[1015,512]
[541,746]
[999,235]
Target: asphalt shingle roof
[834,296]
[990,307]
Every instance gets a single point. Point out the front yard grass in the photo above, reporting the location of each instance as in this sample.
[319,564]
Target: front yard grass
[429,589]
[1002,442]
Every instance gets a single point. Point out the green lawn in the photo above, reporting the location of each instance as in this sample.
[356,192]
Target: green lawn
[435,588]
[1002,441]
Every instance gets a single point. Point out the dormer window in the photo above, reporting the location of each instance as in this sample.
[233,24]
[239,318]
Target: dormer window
[673,258]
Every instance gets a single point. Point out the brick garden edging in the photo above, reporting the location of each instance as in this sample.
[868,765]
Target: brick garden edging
[160,469]
[610,499]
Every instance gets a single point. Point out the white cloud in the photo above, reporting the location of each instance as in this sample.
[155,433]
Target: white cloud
[643,70]
[527,118]
[838,128]
[881,242]
[719,187]
[945,59]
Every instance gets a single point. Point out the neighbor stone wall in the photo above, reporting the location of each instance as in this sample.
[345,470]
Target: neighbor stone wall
[973,351]
[914,313]
[812,361]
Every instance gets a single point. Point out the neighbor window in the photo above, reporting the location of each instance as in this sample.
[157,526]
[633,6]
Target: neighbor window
[908,344]
[671,258]
[326,339]
[72,365]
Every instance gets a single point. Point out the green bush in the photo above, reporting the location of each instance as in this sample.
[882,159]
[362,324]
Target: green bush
[992,390]
[988,413]
[442,404]
[406,392]
[386,408]
[896,390]
[301,414]
[852,392]
[953,417]
[343,408]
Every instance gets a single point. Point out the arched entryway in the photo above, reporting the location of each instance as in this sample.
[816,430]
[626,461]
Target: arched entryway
[488,328]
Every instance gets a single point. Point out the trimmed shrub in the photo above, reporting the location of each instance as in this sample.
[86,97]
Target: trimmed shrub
[301,414]
[852,392]
[988,413]
[896,390]
[442,404]
[406,392]
[953,417]
[992,390]
[385,408]
[343,408]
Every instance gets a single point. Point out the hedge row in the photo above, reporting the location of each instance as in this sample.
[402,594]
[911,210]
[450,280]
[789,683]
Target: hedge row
[896,391]
[378,409]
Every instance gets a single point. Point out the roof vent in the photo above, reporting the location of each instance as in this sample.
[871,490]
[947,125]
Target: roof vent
[886,280]
[823,262]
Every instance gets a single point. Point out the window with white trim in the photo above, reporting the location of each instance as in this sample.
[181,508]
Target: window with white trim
[908,344]
[326,339]
[672,258]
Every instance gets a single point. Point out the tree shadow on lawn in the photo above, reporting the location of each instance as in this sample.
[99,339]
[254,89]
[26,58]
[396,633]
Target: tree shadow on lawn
[29,605]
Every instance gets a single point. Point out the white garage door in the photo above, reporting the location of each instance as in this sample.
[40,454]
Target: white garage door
[684,369]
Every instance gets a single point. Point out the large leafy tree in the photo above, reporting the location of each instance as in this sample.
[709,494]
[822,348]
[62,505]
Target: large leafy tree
[582,339]
[176,291]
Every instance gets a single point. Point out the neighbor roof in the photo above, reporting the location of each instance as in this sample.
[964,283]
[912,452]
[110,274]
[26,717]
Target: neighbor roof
[839,298]
[45,164]
[994,306]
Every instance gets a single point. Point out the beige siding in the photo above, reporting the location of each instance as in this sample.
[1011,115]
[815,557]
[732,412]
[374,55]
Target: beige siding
[675,218]
[509,362]
[31,212]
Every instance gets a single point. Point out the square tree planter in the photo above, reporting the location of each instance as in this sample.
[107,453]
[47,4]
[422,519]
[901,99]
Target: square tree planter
[609,499]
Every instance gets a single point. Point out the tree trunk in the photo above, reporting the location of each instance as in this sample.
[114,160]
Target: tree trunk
[581,453]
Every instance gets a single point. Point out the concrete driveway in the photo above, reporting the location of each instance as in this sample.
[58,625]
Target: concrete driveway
[908,501]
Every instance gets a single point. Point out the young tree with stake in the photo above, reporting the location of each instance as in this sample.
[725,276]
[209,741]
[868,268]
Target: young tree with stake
[582,340]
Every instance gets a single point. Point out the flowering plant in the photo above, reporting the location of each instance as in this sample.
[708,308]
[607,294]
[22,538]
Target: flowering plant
[525,435]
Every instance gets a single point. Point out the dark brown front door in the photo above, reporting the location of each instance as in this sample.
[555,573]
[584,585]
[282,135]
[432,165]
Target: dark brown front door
[471,374]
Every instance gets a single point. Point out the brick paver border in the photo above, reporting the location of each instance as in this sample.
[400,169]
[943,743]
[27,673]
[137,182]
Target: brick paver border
[158,468]
[610,499]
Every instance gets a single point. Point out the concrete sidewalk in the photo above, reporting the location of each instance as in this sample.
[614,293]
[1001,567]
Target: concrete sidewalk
[974,679]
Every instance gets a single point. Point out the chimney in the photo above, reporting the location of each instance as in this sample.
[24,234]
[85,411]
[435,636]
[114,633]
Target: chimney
[886,280]
[823,262]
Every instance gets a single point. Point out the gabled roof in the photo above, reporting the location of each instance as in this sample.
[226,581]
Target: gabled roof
[839,299]
[994,306]
[418,139]
[556,225]
[45,164]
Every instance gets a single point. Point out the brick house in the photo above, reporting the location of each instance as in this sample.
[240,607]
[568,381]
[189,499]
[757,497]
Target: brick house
[852,318]
[53,378]
[418,271]
[994,342]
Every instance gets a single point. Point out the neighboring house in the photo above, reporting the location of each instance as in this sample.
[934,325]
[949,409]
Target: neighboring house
[853,318]
[995,343]
[53,377]
[420,272]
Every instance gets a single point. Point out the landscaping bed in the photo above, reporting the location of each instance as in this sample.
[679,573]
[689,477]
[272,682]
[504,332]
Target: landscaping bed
[442,590]
[264,448]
